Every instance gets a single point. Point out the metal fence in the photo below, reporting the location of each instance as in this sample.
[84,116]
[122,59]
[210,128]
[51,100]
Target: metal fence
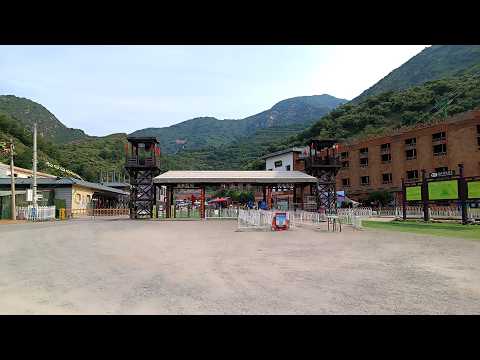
[97,212]
[301,217]
[40,213]
[225,213]
[415,212]
[255,219]
[438,212]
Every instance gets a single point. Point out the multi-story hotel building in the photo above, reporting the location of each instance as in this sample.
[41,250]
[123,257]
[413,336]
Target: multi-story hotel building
[380,163]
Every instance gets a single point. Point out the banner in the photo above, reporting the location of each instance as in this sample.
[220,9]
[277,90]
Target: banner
[62,169]
[443,190]
[474,189]
[414,193]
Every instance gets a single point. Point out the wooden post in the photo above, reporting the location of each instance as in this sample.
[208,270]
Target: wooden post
[404,200]
[168,204]
[426,215]
[462,187]
[269,197]
[301,196]
[202,202]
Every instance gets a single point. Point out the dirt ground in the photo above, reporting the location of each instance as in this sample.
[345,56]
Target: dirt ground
[194,267]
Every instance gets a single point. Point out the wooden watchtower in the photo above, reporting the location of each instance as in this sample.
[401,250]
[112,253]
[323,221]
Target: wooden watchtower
[322,162]
[142,162]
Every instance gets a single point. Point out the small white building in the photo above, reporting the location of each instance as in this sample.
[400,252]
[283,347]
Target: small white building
[22,173]
[285,160]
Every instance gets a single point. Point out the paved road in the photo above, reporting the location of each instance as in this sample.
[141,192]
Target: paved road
[147,267]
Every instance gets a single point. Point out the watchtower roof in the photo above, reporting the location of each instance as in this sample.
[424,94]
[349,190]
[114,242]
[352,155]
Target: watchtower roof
[142,139]
[324,143]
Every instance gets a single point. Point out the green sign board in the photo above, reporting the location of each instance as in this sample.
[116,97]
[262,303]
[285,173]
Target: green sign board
[474,190]
[443,190]
[414,193]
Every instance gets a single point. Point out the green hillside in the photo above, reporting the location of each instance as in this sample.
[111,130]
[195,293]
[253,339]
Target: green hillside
[433,63]
[391,110]
[209,132]
[26,111]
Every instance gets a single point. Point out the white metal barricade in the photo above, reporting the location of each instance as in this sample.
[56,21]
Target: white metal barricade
[40,213]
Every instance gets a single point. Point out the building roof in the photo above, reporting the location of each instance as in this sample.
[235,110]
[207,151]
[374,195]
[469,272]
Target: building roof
[141,139]
[115,184]
[234,177]
[284,151]
[28,171]
[63,182]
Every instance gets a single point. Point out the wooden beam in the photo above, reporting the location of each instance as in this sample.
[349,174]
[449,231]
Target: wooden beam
[202,202]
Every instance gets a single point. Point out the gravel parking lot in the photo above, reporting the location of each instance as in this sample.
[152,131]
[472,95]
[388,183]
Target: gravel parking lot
[194,267]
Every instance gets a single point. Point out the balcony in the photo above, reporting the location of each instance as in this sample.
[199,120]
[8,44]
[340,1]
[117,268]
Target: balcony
[317,162]
[148,162]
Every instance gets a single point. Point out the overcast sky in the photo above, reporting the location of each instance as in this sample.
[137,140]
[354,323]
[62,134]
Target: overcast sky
[109,89]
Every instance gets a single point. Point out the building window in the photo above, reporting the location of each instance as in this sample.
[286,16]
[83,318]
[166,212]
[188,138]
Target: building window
[440,149]
[364,162]
[346,182]
[441,169]
[411,154]
[439,136]
[411,142]
[344,155]
[387,178]
[363,151]
[345,164]
[478,141]
[412,175]
[287,167]
[364,180]
[386,158]
[278,163]
[385,147]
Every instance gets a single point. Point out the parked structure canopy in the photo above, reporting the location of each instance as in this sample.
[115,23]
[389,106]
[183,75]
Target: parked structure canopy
[235,177]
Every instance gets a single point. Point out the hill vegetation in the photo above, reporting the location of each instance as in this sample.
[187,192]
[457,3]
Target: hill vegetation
[26,111]
[208,132]
[239,144]
[433,63]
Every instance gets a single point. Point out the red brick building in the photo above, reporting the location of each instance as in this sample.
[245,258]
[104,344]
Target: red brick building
[380,163]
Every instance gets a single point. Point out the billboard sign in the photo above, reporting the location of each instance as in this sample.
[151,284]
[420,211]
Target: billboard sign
[443,190]
[440,174]
[473,189]
[414,193]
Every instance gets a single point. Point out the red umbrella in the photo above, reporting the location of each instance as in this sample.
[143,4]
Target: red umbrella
[219,200]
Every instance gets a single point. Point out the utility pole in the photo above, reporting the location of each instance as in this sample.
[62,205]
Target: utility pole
[12,177]
[34,187]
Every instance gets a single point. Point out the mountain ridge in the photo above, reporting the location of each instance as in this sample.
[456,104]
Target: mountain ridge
[432,63]
[209,131]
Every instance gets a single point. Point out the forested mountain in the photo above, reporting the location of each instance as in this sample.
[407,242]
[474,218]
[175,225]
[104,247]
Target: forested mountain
[209,143]
[26,111]
[394,109]
[205,132]
[434,62]
[87,155]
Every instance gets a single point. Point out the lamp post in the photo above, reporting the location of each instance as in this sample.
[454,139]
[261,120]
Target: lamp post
[34,187]
[12,178]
